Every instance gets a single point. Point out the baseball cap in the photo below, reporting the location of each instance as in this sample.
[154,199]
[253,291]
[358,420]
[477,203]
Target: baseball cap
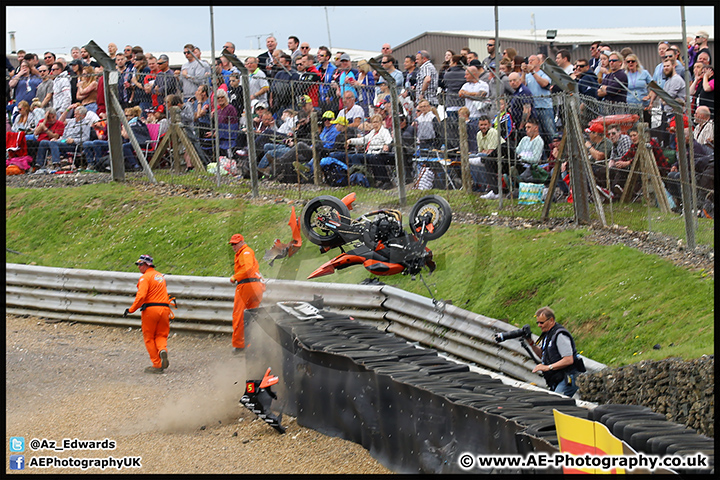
[147,259]
[340,121]
[329,114]
[595,128]
[380,103]
[237,238]
[345,56]
[163,58]
[159,108]
[303,99]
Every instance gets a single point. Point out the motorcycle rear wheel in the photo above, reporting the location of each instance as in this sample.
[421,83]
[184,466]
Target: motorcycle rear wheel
[441,216]
[314,230]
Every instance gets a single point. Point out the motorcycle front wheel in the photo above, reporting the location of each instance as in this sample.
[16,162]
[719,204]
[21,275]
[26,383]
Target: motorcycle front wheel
[434,210]
[321,218]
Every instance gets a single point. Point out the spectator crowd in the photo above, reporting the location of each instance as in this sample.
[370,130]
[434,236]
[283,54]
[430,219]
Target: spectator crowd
[506,103]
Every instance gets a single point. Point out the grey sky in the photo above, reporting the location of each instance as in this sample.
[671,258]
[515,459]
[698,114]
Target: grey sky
[362,28]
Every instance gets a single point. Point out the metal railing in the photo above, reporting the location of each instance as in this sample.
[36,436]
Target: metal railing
[205,305]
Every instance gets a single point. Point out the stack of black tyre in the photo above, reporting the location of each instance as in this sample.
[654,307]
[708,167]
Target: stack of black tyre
[385,353]
[649,432]
[369,410]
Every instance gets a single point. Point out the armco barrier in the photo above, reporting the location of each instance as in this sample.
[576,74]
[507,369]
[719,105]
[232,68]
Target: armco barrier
[205,305]
[411,408]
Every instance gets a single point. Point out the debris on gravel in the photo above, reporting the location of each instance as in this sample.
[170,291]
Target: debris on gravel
[86,382]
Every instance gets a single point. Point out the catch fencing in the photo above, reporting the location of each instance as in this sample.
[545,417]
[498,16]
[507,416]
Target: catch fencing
[205,305]
[296,157]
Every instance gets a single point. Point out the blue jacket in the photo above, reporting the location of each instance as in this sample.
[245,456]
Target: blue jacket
[588,85]
[328,135]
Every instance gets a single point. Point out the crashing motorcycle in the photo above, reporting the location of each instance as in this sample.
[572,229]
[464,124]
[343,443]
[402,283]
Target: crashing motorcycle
[380,242]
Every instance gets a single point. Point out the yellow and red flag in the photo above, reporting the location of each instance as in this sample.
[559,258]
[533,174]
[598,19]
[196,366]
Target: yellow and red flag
[578,436]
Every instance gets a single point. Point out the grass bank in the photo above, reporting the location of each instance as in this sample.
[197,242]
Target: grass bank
[618,302]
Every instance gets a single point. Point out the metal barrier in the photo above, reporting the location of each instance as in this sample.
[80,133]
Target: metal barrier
[205,305]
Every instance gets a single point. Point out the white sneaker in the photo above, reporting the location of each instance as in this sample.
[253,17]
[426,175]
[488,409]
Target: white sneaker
[490,196]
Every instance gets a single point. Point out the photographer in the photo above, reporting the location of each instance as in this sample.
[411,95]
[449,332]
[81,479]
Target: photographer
[560,363]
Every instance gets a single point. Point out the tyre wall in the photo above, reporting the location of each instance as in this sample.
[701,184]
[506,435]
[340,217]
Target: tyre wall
[412,409]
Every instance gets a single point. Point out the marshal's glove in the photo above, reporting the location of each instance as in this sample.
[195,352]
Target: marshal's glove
[126,312]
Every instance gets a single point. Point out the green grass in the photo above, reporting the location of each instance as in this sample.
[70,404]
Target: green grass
[617,301]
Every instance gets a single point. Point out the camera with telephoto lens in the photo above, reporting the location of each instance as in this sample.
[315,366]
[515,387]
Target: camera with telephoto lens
[520,332]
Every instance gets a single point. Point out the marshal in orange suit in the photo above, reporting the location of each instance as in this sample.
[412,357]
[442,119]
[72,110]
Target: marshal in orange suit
[249,290]
[153,301]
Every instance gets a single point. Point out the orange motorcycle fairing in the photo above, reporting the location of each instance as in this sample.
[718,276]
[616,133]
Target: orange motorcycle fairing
[378,267]
[343,260]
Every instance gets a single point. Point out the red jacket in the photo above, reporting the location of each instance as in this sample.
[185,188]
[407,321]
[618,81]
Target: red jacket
[101,96]
[57,128]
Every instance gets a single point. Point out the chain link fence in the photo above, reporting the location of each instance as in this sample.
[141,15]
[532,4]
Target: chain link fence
[310,136]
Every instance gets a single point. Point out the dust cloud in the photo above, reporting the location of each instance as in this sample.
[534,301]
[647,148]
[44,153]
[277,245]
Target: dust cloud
[214,401]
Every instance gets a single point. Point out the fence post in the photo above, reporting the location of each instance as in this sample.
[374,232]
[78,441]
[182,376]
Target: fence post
[117,160]
[464,160]
[110,79]
[317,178]
[580,200]
[553,180]
[174,140]
[397,136]
[688,193]
[131,136]
[252,156]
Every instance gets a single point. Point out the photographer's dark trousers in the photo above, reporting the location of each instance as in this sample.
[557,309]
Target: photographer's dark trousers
[568,384]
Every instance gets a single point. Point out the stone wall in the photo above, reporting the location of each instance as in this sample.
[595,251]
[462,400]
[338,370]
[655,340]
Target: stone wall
[682,390]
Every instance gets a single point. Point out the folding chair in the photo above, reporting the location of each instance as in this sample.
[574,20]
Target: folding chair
[151,145]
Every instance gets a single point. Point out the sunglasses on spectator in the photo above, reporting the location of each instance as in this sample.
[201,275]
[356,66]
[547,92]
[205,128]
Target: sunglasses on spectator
[669,56]
[186,52]
[580,66]
[630,61]
[304,48]
[616,60]
[491,45]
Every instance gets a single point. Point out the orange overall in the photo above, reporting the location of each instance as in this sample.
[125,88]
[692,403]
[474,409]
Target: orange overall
[155,319]
[247,294]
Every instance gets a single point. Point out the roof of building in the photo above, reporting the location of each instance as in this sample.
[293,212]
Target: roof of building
[589,35]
